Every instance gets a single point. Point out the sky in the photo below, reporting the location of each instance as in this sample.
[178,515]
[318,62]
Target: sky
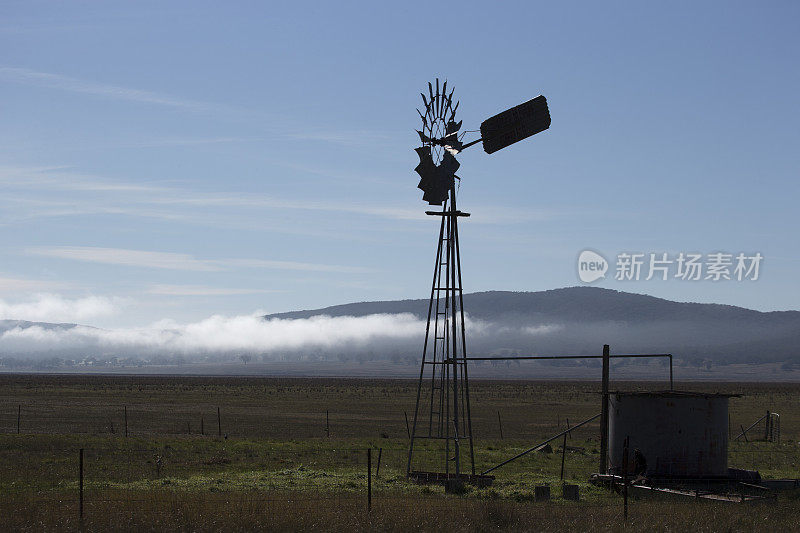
[176,161]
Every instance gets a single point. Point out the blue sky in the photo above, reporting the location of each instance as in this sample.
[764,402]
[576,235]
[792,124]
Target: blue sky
[176,160]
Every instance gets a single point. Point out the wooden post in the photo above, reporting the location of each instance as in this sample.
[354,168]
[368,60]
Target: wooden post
[568,429]
[625,448]
[327,424]
[219,423]
[126,420]
[19,414]
[604,413]
[500,423]
[671,385]
[766,427]
[408,431]
[563,456]
[80,485]
[378,467]
[369,479]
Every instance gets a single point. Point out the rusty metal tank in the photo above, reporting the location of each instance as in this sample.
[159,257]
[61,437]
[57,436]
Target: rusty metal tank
[679,434]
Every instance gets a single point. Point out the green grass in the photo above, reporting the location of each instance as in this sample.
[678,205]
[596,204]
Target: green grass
[164,477]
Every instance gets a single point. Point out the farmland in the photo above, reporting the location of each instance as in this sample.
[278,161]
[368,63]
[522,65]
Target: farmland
[291,452]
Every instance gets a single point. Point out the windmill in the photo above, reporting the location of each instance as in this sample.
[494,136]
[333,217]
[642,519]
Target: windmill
[442,409]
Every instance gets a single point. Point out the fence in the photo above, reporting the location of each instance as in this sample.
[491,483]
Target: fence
[216,474]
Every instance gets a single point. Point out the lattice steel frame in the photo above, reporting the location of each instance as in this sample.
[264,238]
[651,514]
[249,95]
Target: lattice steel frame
[443,370]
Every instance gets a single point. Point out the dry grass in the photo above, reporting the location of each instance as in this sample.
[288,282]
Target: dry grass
[244,512]
[278,471]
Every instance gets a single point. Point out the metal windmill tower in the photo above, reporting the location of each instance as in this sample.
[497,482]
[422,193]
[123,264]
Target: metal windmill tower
[442,410]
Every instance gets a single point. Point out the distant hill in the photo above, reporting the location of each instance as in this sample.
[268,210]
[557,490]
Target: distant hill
[582,319]
[6,325]
[569,321]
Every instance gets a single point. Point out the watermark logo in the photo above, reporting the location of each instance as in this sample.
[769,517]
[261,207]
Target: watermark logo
[591,266]
[684,266]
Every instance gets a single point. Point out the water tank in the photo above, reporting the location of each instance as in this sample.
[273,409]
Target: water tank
[678,434]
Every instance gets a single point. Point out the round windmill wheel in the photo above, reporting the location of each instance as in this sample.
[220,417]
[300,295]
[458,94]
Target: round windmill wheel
[439,136]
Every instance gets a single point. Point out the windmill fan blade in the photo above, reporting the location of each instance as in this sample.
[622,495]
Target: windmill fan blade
[435,182]
[453,127]
[453,147]
[449,165]
[453,116]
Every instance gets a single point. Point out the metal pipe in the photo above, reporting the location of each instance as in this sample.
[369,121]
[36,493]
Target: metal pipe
[750,427]
[538,357]
[529,450]
[523,357]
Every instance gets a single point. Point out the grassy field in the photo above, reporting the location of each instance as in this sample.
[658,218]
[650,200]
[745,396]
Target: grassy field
[274,465]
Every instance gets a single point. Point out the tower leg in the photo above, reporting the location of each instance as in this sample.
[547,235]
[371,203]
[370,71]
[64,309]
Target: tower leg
[444,359]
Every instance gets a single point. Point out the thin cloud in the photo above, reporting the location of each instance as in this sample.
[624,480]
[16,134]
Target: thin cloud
[148,197]
[13,285]
[218,334]
[55,308]
[120,256]
[199,290]
[65,83]
[341,137]
[178,261]
[63,178]
[256,201]
[292,265]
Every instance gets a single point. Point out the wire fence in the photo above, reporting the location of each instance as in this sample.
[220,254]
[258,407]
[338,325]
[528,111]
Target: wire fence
[214,458]
[89,481]
[219,474]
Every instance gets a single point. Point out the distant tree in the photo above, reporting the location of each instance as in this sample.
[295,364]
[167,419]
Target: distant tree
[245,358]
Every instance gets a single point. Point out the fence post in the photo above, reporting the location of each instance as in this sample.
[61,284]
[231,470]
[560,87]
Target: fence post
[563,456]
[126,420]
[327,424]
[604,413]
[766,428]
[19,413]
[219,423]
[625,448]
[408,431]
[369,479]
[80,485]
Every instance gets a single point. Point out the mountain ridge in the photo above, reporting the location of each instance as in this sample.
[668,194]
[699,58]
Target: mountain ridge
[577,319]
